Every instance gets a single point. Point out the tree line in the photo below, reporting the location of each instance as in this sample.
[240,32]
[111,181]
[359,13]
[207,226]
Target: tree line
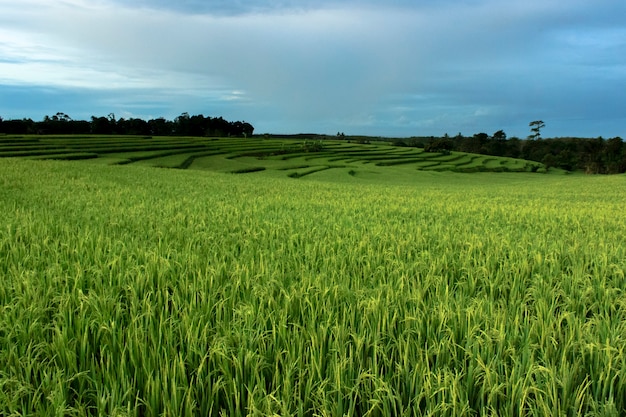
[591,155]
[183,125]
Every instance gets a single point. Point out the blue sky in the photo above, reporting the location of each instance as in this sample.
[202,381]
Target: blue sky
[395,68]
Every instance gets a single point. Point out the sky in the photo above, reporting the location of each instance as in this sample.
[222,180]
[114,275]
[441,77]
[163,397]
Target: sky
[362,67]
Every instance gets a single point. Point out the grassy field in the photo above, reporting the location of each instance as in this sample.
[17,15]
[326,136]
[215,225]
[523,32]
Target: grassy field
[239,155]
[134,291]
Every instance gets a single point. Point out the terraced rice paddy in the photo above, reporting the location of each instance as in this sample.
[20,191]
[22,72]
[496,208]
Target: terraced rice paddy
[134,291]
[291,158]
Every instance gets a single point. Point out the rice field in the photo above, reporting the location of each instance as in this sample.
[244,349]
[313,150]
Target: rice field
[134,291]
[239,155]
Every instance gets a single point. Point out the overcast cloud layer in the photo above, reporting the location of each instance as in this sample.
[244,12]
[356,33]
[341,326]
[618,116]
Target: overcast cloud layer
[397,68]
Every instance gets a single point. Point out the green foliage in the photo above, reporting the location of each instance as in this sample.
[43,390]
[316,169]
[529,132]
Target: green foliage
[141,292]
[444,146]
[312,146]
[590,155]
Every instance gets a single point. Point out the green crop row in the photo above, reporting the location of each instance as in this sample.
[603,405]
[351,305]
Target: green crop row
[272,155]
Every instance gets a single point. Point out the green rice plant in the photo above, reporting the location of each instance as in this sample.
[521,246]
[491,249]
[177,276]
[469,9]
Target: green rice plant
[129,290]
[68,156]
[403,161]
[310,170]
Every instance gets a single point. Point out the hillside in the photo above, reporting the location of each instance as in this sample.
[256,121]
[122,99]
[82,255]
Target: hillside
[288,157]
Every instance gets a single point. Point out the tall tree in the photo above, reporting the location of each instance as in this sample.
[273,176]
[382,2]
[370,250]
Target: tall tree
[101,126]
[535,129]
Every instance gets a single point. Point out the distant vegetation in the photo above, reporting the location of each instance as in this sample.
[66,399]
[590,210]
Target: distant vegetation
[593,156]
[293,158]
[589,155]
[183,125]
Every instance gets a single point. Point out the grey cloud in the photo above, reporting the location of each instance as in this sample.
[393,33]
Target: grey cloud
[365,65]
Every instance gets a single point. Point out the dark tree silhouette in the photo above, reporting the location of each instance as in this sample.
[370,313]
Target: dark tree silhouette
[535,129]
[184,125]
